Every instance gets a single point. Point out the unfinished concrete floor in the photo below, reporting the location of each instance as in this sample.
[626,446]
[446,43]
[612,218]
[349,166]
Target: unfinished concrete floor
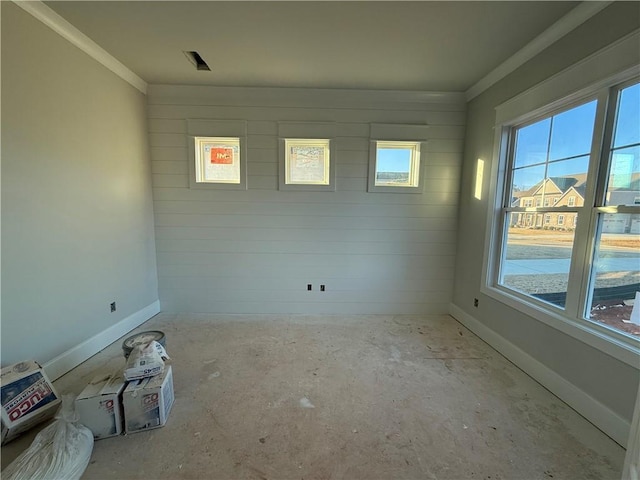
[362,397]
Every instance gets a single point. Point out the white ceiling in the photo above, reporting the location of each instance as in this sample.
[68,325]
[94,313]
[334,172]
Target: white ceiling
[419,45]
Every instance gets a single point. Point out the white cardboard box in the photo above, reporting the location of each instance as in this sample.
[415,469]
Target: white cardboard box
[147,402]
[28,398]
[99,406]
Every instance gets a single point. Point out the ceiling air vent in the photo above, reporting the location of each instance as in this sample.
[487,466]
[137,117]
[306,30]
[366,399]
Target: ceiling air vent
[196,59]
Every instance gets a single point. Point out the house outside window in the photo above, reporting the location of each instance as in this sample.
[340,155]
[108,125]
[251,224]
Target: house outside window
[582,159]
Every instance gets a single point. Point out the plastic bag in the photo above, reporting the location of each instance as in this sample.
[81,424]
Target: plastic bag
[61,450]
[145,361]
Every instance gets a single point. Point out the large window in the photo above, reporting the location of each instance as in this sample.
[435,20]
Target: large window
[614,284]
[577,161]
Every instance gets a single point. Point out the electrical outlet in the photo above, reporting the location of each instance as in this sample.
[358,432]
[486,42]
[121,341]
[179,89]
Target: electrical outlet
[475,302]
[309,287]
[113,307]
[322,288]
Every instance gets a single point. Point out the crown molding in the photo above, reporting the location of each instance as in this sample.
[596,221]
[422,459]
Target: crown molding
[283,96]
[555,32]
[62,27]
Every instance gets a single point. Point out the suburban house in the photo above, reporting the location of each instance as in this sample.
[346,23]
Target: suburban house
[552,192]
[568,191]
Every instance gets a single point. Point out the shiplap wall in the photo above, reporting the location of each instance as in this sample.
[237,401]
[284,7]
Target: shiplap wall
[255,251]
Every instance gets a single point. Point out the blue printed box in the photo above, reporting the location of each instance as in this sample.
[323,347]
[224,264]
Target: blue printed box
[27,396]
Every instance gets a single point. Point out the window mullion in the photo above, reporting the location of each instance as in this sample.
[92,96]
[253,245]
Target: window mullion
[580,272]
[611,102]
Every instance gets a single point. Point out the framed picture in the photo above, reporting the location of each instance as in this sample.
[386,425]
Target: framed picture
[307,162]
[217,160]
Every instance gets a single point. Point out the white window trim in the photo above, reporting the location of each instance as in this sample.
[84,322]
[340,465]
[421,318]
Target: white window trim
[216,128]
[329,182]
[307,131]
[201,143]
[397,132]
[612,65]
[415,170]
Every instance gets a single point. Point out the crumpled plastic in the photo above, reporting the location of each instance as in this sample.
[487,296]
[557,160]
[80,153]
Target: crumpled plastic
[61,450]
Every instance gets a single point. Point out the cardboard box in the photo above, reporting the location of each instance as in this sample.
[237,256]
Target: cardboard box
[147,402]
[27,396]
[99,406]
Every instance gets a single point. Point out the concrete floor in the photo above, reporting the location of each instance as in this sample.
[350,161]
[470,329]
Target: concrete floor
[362,397]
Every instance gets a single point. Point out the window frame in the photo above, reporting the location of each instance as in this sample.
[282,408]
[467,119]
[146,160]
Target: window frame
[416,170]
[553,96]
[284,165]
[197,128]
[200,145]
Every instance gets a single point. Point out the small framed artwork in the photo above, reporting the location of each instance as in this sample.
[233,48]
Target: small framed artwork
[217,160]
[306,164]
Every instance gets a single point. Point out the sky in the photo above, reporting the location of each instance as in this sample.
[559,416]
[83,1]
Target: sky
[393,160]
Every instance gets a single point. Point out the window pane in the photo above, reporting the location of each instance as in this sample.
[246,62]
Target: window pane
[567,182]
[571,132]
[397,164]
[525,182]
[393,166]
[532,143]
[536,260]
[624,177]
[574,169]
[627,130]
[396,160]
[616,272]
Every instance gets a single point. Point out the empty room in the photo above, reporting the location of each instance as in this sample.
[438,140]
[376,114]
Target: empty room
[370,240]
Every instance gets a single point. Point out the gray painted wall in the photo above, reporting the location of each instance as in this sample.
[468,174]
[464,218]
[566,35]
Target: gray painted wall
[606,379]
[255,251]
[77,220]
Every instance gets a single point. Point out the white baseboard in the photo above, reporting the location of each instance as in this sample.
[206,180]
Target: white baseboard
[597,413]
[75,356]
